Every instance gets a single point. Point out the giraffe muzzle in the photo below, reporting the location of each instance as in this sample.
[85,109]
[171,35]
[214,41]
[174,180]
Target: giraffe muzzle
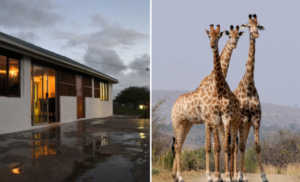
[255,35]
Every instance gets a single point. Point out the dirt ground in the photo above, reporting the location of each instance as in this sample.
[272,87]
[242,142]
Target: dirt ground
[199,176]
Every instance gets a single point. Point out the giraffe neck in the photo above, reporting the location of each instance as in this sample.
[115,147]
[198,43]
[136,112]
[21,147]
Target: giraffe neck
[225,58]
[218,75]
[249,75]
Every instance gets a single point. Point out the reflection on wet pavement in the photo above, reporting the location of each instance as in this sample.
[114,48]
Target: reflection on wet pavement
[110,149]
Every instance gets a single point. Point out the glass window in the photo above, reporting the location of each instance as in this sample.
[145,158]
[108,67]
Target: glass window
[9,77]
[103,91]
[14,79]
[3,75]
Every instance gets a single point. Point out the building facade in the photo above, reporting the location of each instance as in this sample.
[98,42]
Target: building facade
[39,87]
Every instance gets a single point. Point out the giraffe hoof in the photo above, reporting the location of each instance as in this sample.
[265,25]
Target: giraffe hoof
[245,180]
[228,180]
[174,175]
[175,179]
[218,180]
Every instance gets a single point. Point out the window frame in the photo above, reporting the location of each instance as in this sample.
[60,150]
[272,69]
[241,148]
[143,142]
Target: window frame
[8,57]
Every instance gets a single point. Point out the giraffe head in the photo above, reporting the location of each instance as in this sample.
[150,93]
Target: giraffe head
[214,36]
[234,36]
[253,26]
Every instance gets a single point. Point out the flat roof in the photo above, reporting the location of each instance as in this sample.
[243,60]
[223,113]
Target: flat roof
[33,49]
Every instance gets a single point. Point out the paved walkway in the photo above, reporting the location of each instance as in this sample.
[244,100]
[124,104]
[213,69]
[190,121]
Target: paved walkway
[107,149]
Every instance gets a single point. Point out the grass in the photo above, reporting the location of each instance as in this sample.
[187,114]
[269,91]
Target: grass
[290,169]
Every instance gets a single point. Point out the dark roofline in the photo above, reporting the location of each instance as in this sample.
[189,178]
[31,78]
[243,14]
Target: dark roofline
[19,43]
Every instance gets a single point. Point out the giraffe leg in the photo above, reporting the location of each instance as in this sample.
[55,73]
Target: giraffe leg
[235,177]
[217,149]
[247,127]
[256,124]
[208,131]
[243,134]
[227,122]
[233,147]
[187,128]
[181,133]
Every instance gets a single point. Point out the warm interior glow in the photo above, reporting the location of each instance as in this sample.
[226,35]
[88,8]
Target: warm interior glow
[142,135]
[16,170]
[141,106]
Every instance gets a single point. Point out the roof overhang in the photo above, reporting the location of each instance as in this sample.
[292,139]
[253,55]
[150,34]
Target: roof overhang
[11,45]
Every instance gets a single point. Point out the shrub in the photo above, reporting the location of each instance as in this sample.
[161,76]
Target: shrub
[251,160]
[155,171]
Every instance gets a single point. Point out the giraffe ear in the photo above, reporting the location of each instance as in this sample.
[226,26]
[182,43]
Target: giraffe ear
[243,26]
[260,27]
[207,32]
[226,32]
[222,33]
[241,33]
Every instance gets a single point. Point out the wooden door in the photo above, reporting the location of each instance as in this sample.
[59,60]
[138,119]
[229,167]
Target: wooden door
[80,98]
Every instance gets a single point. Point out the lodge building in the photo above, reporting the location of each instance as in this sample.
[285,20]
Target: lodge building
[39,87]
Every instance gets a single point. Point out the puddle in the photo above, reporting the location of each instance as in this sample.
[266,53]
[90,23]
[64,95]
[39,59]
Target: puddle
[98,122]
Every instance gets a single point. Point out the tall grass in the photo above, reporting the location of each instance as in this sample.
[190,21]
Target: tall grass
[290,169]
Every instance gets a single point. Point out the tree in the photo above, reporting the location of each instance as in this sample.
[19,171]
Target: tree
[134,95]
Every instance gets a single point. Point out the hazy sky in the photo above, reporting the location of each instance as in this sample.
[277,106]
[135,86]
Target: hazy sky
[182,57]
[110,31]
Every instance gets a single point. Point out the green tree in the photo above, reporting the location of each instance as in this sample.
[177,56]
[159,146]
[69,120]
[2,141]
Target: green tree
[134,95]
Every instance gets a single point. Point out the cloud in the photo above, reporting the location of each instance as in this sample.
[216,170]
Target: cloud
[109,36]
[27,36]
[137,77]
[96,54]
[28,14]
[101,47]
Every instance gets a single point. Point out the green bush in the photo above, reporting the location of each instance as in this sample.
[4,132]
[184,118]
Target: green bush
[251,160]
[168,160]
[155,171]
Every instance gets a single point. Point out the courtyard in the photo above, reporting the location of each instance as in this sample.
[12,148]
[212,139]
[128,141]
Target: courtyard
[108,149]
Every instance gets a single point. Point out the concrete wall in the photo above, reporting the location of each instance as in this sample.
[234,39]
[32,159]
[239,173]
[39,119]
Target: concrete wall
[95,108]
[68,109]
[15,112]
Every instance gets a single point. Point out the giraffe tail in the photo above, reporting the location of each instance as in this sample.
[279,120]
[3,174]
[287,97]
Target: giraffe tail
[173,148]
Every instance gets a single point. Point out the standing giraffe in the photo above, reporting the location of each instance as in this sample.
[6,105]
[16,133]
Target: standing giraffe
[194,107]
[249,101]
[231,44]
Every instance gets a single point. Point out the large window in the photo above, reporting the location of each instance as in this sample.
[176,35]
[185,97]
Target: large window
[9,77]
[101,89]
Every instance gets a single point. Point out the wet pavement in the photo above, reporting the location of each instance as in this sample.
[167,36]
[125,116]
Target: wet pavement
[107,149]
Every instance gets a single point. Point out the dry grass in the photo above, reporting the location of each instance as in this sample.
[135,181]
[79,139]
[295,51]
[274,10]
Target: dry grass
[188,175]
[290,169]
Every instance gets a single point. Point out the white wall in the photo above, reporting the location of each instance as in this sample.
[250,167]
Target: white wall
[95,108]
[68,109]
[15,112]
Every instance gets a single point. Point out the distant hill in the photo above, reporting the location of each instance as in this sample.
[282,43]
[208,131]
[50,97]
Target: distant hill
[274,117]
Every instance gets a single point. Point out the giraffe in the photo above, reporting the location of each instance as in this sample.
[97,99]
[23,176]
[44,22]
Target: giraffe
[231,44]
[194,108]
[249,101]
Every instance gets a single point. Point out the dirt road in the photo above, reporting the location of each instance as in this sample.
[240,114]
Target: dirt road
[199,176]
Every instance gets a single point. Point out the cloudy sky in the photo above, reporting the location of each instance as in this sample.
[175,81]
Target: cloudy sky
[112,31]
[182,57]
